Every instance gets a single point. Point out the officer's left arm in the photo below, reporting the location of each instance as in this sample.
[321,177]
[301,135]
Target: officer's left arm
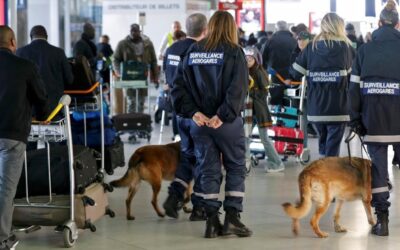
[299,67]
[236,92]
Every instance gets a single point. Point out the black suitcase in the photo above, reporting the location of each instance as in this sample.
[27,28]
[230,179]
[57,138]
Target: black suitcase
[85,167]
[138,124]
[132,121]
[113,156]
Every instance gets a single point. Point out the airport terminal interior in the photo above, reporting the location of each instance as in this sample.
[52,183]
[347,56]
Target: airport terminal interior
[265,191]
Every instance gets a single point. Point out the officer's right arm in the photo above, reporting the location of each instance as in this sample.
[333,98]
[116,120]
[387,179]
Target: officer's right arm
[354,96]
[182,99]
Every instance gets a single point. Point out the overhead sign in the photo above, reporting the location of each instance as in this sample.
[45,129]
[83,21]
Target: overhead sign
[117,7]
[230,6]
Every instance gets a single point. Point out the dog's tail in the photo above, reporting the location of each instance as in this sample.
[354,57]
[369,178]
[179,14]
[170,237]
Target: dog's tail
[304,206]
[132,171]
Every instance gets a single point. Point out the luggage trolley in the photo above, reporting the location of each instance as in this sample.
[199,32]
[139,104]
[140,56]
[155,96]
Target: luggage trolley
[55,131]
[88,101]
[137,124]
[289,136]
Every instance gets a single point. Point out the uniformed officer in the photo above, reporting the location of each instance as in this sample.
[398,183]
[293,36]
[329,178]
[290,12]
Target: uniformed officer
[374,97]
[196,27]
[326,62]
[210,87]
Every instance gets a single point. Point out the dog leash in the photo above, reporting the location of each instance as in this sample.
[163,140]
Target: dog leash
[350,137]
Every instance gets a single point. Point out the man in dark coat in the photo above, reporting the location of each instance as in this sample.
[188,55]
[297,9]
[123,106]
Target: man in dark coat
[85,46]
[20,89]
[277,51]
[51,61]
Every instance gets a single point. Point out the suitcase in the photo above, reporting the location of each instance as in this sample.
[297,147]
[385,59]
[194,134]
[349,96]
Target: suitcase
[83,76]
[89,207]
[287,141]
[132,121]
[85,167]
[113,156]
[286,116]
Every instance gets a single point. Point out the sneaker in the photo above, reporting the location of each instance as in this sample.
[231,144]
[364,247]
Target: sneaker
[281,168]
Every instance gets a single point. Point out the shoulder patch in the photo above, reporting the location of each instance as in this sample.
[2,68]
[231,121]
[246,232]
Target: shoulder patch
[206,58]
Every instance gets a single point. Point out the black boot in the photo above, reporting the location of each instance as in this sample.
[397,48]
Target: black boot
[232,224]
[381,228]
[213,225]
[172,205]
[198,214]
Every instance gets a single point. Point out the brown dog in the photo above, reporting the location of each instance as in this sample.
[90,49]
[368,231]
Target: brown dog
[151,163]
[326,179]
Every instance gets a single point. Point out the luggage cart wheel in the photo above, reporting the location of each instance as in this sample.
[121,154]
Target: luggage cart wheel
[110,172]
[148,137]
[132,139]
[91,226]
[100,177]
[108,187]
[305,156]
[68,240]
[254,160]
[110,213]
[88,201]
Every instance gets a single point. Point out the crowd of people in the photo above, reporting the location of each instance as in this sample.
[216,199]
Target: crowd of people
[219,84]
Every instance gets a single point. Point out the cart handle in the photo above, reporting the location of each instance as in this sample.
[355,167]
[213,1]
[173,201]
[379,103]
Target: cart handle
[65,100]
[82,92]
[280,77]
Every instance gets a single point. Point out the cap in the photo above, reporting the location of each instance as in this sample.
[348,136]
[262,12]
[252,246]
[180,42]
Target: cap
[304,35]
[299,28]
[254,52]
[349,27]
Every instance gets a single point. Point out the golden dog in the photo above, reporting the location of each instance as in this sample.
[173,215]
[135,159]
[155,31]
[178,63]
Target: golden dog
[151,163]
[326,179]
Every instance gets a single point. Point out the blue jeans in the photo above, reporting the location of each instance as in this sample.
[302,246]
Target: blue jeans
[11,162]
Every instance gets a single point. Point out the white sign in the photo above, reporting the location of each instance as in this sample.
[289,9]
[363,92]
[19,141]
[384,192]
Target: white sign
[111,7]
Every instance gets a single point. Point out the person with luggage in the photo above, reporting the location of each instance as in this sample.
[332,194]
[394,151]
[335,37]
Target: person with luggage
[210,87]
[85,47]
[22,88]
[326,62]
[256,101]
[135,47]
[52,63]
[374,106]
[196,27]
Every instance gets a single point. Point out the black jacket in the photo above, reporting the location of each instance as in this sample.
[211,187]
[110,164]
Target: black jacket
[85,47]
[375,87]
[20,89]
[276,53]
[327,68]
[53,67]
[174,54]
[105,49]
[214,82]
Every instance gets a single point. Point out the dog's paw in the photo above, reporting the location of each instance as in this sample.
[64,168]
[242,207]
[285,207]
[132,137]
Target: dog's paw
[130,217]
[322,234]
[340,229]
[162,215]
[187,210]
[372,222]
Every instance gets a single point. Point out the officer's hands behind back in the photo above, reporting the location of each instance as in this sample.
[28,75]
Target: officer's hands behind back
[200,119]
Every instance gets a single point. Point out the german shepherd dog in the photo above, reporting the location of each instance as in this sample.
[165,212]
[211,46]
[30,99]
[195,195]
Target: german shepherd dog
[151,163]
[326,179]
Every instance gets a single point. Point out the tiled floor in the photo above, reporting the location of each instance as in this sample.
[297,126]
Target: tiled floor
[263,214]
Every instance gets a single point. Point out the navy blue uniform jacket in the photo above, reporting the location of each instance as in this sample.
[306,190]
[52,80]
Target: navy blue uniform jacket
[53,67]
[212,82]
[20,89]
[174,54]
[375,87]
[327,68]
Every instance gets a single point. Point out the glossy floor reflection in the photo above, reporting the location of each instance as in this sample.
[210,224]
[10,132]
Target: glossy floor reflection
[263,214]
